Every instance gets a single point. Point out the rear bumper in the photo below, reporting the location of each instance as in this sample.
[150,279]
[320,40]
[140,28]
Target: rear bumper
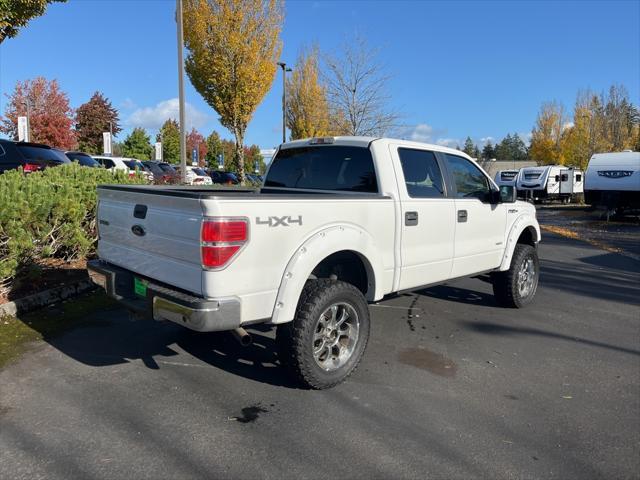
[165,303]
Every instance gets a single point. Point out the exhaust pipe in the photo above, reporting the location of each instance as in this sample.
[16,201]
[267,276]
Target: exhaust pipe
[242,336]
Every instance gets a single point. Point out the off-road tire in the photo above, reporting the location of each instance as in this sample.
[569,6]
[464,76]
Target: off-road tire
[505,284]
[294,339]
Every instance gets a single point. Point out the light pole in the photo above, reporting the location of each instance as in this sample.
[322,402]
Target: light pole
[183,146]
[284,99]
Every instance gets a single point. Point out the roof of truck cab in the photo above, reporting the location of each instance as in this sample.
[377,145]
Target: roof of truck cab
[366,141]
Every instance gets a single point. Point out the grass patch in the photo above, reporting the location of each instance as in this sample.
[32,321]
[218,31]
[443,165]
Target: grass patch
[17,333]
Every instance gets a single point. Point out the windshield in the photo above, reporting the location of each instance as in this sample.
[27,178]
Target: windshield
[153,168]
[167,168]
[83,159]
[133,164]
[31,152]
[342,168]
[199,171]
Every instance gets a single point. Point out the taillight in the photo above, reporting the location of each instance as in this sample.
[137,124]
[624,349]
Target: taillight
[221,239]
[132,174]
[31,167]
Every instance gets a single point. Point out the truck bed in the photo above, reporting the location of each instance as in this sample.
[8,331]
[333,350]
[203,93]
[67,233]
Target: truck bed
[209,192]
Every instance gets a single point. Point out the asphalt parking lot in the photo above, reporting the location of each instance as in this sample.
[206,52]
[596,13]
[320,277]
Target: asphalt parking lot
[451,386]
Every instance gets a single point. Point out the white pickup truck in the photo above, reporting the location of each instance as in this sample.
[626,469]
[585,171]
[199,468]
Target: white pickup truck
[339,222]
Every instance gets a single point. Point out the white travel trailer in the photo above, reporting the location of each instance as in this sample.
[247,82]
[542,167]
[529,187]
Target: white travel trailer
[613,180]
[506,177]
[552,182]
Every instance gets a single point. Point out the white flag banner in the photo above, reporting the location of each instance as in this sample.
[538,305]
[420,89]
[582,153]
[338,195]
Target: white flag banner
[158,150]
[23,129]
[106,140]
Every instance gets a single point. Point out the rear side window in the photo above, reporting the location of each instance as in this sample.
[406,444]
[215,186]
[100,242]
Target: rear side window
[38,153]
[470,182]
[341,168]
[421,173]
[108,163]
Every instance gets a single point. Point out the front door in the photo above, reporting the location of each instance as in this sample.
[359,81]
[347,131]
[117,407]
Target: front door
[480,224]
[428,225]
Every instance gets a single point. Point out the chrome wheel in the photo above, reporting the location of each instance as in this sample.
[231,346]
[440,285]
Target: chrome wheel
[526,277]
[335,336]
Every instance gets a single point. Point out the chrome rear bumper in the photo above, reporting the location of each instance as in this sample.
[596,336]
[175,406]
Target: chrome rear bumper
[165,303]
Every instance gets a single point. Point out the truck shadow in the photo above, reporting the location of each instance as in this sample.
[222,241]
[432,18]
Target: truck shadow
[111,338]
[490,328]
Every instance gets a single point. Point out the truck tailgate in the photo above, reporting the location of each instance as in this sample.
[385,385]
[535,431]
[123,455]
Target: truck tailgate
[151,234]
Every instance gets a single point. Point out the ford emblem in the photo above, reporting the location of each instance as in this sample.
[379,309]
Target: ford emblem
[138,230]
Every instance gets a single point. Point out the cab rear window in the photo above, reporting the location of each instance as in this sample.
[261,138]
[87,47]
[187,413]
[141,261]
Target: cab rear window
[335,167]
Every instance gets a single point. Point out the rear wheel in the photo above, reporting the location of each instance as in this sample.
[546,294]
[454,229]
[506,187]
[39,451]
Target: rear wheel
[517,286]
[324,343]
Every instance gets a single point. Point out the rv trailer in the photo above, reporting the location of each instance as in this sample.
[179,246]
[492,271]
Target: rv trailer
[613,181]
[506,177]
[550,182]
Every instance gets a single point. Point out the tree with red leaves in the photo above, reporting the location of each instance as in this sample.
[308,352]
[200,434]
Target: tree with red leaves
[50,116]
[93,118]
[195,140]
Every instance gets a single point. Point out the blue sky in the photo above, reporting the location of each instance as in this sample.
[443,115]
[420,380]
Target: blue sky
[458,68]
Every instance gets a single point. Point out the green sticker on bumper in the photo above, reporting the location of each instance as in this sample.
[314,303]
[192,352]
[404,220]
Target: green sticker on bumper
[140,287]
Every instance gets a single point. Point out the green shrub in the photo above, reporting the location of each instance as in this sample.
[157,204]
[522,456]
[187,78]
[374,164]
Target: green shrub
[49,214]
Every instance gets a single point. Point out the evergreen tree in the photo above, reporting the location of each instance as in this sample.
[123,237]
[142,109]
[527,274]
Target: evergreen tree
[214,148]
[169,135]
[488,152]
[92,119]
[468,147]
[137,145]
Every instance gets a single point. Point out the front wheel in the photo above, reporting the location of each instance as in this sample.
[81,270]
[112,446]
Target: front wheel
[324,343]
[517,286]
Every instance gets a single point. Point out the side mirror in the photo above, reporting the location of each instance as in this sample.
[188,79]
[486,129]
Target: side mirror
[507,194]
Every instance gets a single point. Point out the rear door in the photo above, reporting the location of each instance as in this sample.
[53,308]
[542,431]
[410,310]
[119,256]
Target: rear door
[427,217]
[479,224]
[154,235]
[566,181]
[8,157]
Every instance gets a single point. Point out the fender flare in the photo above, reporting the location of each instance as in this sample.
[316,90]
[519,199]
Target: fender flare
[520,225]
[314,250]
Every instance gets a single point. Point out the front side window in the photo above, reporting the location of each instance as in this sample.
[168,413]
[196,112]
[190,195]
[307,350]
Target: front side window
[108,163]
[421,173]
[469,180]
[327,167]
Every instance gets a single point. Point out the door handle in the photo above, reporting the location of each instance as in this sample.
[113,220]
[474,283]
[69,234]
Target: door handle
[462,216]
[411,219]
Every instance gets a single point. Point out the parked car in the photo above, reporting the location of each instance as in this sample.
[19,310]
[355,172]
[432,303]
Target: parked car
[339,222]
[160,177]
[170,171]
[124,164]
[138,166]
[30,156]
[83,159]
[114,163]
[195,176]
[224,178]
[254,179]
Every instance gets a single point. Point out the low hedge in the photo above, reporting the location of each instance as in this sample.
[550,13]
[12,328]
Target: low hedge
[49,214]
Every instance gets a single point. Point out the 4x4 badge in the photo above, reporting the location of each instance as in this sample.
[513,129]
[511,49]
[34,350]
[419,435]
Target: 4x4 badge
[279,221]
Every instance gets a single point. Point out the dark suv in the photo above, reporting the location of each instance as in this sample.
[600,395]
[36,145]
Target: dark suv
[30,156]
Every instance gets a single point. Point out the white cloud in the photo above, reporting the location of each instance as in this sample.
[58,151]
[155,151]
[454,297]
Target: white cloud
[448,142]
[128,104]
[567,125]
[152,118]
[485,140]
